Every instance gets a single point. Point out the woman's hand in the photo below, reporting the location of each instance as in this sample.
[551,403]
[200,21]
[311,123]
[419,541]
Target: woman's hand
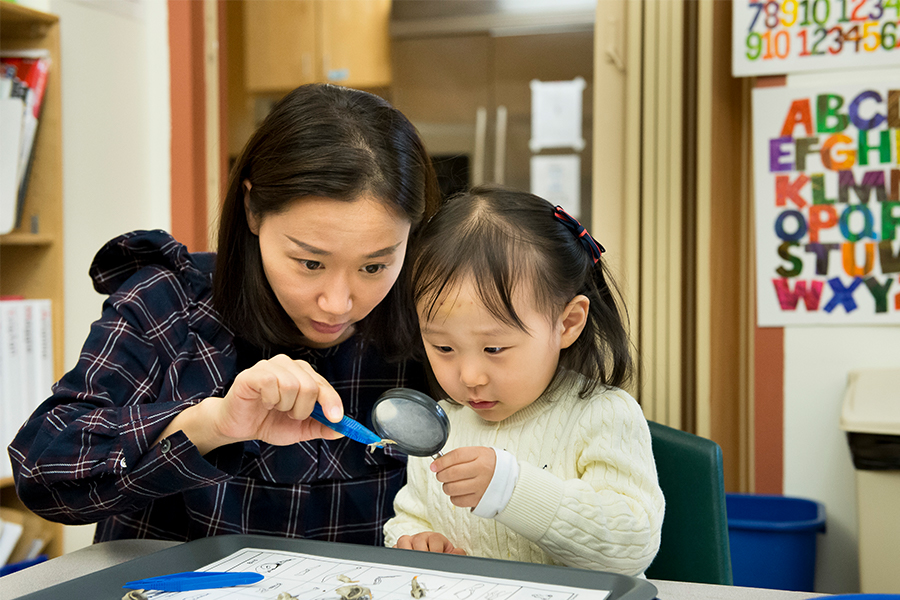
[466,473]
[428,541]
[271,401]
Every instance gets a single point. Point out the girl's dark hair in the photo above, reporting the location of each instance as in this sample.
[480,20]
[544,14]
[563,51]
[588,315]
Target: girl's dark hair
[333,142]
[504,239]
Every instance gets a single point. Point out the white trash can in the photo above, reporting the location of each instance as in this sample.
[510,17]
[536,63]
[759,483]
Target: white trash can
[871,417]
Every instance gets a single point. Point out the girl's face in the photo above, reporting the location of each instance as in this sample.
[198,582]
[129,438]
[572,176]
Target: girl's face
[494,368]
[330,262]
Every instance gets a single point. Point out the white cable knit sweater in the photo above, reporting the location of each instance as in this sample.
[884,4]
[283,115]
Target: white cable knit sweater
[587,494]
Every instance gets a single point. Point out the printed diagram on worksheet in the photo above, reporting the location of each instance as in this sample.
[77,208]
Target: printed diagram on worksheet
[309,577]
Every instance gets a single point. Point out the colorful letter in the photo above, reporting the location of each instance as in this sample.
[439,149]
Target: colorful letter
[786,190]
[799,113]
[821,251]
[850,266]
[818,190]
[801,225]
[821,216]
[788,298]
[797,264]
[858,121]
[883,147]
[827,105]
[889,220]
[849,156]
[890,262]
[776,153]
[879,293]
[868,223]
[870,180]
[842,295]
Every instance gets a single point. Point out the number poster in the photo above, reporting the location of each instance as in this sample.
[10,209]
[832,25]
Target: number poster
[790,36]
[827,196]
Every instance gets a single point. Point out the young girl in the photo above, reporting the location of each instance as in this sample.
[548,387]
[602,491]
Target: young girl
[548,461]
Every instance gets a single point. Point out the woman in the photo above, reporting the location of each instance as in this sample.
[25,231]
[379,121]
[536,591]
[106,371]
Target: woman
[187,414]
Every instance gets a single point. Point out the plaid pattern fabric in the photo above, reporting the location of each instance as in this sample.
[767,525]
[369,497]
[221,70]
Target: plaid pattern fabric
[85,455]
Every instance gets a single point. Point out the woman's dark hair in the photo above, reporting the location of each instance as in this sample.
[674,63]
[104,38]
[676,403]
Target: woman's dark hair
[505,239]
[333,142]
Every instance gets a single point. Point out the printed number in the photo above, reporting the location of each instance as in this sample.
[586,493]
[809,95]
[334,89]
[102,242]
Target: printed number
[771,15]
[817,13]
[754,45]
[820,37]
[775,47]
[856,9]
[889,35]
[838,39]
[852,35]
[867,31]
[895,4]
[880,9]
[759,6]
[792,12]
[844,18]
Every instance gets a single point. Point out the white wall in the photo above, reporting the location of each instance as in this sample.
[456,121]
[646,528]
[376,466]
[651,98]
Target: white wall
[817,460]
[116,123]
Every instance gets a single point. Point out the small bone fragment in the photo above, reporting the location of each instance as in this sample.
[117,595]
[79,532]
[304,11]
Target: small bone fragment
[354,592]
[418,590]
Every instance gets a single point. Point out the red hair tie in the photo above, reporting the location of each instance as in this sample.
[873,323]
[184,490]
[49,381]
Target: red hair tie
[589,243]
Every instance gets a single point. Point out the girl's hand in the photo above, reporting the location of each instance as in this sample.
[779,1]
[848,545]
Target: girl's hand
[466,473]
[272,400]
[428,541]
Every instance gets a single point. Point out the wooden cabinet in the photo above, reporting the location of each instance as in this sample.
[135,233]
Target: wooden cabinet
[291,42]
[31,256]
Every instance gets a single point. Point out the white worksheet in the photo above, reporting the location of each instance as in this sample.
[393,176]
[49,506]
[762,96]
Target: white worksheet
[309,577]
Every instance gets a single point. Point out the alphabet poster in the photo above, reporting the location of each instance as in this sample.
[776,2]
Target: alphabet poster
[827,203]
[792,36]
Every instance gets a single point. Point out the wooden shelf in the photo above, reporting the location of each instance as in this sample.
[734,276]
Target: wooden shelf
[26,239]
[31,264]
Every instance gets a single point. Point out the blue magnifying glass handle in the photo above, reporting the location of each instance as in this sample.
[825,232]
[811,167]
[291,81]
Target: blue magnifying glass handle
[347,427]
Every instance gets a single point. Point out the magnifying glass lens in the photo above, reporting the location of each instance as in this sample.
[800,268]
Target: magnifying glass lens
[417,423]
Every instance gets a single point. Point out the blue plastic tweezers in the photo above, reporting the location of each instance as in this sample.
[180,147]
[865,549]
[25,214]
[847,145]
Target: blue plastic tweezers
[194,580]
[348,427]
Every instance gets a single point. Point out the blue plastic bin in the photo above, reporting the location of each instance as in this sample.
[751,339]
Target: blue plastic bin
[773,540]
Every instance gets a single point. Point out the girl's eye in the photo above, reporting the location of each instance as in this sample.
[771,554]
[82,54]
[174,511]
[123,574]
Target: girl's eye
[443,349]
[494,350]
[374,269]
[311,265]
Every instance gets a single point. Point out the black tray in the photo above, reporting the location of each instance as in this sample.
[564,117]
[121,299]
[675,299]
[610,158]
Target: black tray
[106,584]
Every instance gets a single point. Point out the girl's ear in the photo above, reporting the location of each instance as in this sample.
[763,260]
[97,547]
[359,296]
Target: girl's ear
[573,319]
[252,221]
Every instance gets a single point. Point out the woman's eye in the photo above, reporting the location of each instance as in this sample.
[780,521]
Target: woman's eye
[373,269]
[494,349]
[311,265]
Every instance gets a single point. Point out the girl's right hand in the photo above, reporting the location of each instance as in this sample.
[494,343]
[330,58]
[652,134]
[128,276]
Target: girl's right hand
[428,541]
[272,400]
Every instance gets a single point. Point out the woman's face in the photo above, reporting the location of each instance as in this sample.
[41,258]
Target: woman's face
[330,262]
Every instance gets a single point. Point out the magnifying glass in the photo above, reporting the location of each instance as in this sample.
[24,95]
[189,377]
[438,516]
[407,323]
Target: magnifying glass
[404,418]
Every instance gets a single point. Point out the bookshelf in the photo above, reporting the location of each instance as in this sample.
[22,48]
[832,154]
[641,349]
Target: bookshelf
[31,256]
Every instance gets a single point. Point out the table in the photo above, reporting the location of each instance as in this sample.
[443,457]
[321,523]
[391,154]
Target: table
[106,554]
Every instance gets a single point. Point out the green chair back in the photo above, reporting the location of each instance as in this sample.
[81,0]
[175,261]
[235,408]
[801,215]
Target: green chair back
[694,545]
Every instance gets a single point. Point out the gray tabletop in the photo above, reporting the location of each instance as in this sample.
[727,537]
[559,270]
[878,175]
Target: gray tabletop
[106,554]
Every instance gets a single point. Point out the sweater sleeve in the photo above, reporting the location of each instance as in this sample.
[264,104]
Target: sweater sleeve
[608,518]
[410,507]
[88,451]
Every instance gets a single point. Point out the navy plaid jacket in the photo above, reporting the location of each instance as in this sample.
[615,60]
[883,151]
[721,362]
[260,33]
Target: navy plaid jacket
[85,455]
